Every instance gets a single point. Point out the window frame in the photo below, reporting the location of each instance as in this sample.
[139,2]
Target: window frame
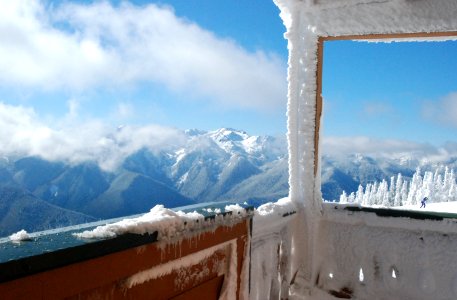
[418,36]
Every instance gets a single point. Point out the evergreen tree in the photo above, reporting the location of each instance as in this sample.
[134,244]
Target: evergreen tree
[398,191]
[404,193]
[438,186]
[366,195]
[359,195]
[416,184]
[384,194]
[351,198]
[343,198]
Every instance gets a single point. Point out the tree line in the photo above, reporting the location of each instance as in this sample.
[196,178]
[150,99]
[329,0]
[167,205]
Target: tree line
[438,186]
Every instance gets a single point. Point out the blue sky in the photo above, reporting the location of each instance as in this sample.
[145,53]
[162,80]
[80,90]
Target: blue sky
[403,91]
[71,71]
[240,45]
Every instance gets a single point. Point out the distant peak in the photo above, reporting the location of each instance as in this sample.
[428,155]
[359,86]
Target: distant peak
[194,132]
[231,130]
[229,134]
[359,156]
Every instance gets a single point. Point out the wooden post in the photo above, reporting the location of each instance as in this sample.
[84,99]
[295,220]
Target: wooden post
[320,57]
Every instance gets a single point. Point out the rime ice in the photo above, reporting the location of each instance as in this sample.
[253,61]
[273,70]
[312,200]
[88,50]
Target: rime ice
[20,236]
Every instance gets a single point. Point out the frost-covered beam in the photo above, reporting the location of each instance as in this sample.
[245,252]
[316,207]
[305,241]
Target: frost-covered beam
[301,110]
[308,23]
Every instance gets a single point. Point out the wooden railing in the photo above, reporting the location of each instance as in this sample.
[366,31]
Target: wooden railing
[349,253]
[209,263]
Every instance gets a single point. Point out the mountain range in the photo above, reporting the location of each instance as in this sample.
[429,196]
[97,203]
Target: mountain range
[221,165]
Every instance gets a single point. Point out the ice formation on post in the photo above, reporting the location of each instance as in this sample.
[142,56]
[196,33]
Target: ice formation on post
[330,249]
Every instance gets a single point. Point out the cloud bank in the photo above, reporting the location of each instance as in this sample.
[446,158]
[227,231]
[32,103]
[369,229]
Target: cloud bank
[373,108]
[85,46]
[393,148]
[443,112]
[24,134]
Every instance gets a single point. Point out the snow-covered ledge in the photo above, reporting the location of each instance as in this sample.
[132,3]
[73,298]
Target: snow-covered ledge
[199,249]
[308,23]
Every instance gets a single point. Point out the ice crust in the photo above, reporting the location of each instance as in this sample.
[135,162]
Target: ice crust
[20,236]
[168,223]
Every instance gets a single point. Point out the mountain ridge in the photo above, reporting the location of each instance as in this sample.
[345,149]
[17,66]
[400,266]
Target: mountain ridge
[221,165]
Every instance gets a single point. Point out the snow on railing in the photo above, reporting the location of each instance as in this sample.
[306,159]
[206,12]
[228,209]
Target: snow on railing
[362,255]
[168,223]
[20,236]
[176,250]
[358,255]
[270,250]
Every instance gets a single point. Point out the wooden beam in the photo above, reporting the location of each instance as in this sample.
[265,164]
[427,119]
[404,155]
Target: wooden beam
[320,58]
[422,35]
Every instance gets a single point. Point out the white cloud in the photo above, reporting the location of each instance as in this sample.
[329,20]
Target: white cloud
[73,109]
[374,108]
[443,112]
[341,146]
[123,110]
[24,134]
[78,47]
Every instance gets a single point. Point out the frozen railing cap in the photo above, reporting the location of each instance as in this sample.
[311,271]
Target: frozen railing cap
[272,214]
[20,236]
[167,223]
[59,247]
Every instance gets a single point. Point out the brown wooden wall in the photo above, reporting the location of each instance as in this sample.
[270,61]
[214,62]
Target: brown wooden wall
[107,277]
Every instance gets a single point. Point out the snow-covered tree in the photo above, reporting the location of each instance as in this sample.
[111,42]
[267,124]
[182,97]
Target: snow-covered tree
[398,191]
[438,186]
[414,188]
[359,194]
[351,198]
[366,196]
[384,193]
[343,198]
[404,193]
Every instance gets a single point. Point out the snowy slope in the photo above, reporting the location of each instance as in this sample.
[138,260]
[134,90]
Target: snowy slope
[225,164]
[444,207]
[215,162]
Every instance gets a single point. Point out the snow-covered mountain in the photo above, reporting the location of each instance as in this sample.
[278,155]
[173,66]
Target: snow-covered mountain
[215,163]
[221,165]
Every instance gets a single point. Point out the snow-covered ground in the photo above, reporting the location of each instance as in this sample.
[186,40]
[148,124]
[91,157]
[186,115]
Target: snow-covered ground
[445,207]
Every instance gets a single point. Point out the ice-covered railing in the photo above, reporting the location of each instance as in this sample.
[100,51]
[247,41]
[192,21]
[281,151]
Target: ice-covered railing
[271,244]
[252,253]
[370,255]
[168,223]
[358,254]
[28,253]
